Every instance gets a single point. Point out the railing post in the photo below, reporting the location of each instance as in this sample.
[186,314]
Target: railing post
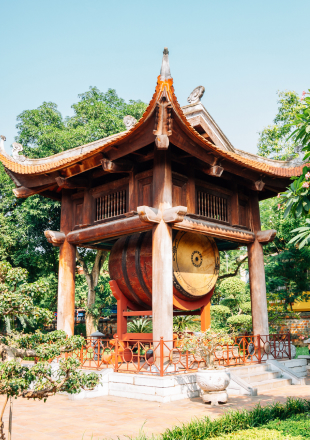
[259,351]
[82,355]
[289,345]
[186,360]
[116,355]
[161,351]
[227,354]
[243,349]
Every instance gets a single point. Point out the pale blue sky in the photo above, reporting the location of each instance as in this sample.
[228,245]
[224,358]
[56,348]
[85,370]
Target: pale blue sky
[242,52]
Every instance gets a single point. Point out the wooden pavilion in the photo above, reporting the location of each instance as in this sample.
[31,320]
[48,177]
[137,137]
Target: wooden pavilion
[159,175]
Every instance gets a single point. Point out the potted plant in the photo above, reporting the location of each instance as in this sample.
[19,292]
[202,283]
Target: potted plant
[212,379]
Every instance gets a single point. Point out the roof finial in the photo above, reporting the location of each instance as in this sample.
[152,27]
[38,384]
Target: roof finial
[2,140]
[165,68]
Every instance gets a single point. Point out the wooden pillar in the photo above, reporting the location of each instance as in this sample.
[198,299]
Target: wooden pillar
[132,204]
[162,282]
[191,190]
[88,208]
[235,206]
[205,317]
[66,276]
[257,276]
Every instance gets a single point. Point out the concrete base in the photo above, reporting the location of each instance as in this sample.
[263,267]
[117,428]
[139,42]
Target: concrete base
[143,387]
[247,380]
[215,397]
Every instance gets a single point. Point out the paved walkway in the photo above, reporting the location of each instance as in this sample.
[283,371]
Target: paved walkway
[109,417]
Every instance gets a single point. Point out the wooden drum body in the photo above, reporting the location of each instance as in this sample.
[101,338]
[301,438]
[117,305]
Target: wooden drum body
[196,266]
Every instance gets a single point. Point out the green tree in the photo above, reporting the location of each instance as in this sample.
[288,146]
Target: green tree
[286,266]
[43,132]
[234,307]
[296,199]
[22,240]
[273,140]
[41,380]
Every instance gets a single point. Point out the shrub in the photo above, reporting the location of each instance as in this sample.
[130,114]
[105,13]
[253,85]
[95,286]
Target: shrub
[240,322]
[237,420]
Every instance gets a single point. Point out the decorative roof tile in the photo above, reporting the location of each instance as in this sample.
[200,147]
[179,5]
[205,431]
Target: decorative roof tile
[74,155]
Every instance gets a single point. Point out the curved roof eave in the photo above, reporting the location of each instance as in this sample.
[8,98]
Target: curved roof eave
[74,155]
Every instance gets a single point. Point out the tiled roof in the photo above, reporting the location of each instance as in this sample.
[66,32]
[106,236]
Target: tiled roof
[74,155]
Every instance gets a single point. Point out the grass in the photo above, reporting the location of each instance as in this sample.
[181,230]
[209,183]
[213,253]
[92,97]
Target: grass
[301,351]
[237,420]
[289,421]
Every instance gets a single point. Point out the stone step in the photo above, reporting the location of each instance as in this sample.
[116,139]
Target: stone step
[268,385]
[250,369]
[260,377]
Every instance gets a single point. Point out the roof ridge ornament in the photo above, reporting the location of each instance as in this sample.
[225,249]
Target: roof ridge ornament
[165,67]
[2,140]
[18,148]
[196,95]
[129,121]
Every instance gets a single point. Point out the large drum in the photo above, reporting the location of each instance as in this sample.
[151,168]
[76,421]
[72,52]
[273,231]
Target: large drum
[196,266]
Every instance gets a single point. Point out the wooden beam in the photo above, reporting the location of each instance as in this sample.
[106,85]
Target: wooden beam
[142,139]
[139,313]
[56,238]
[62,182]
[111,229]
[112,167]
[23,192]
[265,237]
[215,230]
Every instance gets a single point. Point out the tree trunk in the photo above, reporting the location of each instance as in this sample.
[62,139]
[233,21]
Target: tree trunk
[2,435]
[91,322]
[92,279]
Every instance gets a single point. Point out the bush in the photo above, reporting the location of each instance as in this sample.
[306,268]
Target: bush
[257,434]
[240,322]
[232,287]
[235,421]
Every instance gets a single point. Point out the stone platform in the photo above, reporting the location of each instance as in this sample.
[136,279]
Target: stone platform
[112,417]
[247,380]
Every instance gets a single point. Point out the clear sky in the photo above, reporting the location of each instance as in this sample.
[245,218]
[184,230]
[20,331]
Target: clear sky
[242,52]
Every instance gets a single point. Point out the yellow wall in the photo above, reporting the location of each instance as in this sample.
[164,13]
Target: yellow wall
[302,306]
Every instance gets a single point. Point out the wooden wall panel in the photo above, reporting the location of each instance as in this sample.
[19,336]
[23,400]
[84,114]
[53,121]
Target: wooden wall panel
[78,217]
[145,191]
[178,191]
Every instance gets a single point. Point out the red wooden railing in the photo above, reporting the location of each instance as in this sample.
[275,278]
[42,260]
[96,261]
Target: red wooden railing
[169,357]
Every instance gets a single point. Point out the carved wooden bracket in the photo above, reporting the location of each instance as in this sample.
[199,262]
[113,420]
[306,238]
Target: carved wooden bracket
[62,182]
[148,214]
[258,185]
[175,214]
[22,192]
[265,237]
[56,238]
[171,215]
[215,170]
[112,167]
[163,122]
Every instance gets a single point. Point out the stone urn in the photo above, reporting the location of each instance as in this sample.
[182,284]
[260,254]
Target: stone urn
[213,384]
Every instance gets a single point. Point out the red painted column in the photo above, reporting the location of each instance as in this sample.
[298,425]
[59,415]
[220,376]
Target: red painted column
[257,276]
[66,276]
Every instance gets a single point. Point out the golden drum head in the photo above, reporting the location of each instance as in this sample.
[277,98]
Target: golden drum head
[196,263]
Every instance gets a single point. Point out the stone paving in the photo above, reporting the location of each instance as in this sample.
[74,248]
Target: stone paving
[112,417]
